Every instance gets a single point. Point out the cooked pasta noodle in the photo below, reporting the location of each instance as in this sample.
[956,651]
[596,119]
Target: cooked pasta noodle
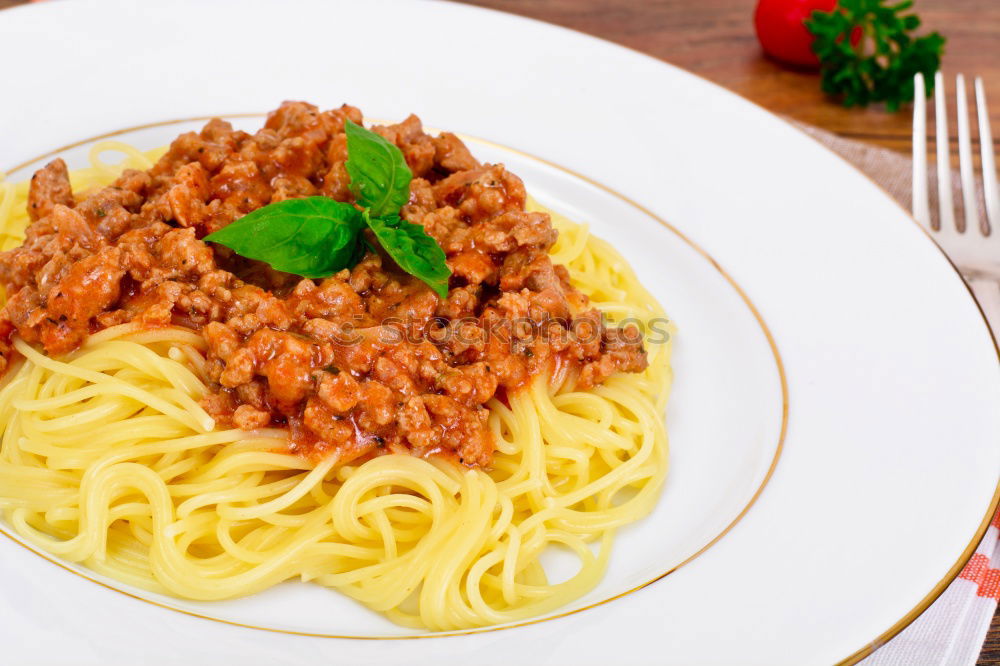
[108,460]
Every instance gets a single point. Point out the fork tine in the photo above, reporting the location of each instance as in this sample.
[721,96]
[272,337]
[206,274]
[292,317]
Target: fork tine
[946,208]
[965,157]
[921,207]
[989,161]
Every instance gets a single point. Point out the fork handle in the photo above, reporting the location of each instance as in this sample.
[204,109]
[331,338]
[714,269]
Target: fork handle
[987,292]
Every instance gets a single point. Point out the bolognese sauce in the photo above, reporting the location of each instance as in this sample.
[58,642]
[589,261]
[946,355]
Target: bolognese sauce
[369,360]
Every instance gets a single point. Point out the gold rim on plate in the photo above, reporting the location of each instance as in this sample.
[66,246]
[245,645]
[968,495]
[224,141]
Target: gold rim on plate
[779,366]
[970,549]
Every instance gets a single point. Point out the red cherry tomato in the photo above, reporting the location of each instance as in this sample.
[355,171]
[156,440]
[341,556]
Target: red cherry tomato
[782,32]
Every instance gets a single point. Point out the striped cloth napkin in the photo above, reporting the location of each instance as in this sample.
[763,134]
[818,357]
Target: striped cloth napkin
[952,631]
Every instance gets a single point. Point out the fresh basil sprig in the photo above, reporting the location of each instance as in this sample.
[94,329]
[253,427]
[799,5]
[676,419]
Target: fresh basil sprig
[316,237]
[415,252]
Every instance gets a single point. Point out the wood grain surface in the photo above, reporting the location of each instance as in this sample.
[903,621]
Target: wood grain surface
[715,39]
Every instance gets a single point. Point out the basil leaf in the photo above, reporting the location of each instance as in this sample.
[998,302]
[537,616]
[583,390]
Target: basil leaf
[416,253]
[380,179]
[313,237]
[318,236]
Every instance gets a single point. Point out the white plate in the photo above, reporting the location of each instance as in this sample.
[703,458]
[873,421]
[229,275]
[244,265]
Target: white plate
[890,464]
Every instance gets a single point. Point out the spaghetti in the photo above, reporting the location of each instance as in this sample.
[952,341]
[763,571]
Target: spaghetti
[108,459]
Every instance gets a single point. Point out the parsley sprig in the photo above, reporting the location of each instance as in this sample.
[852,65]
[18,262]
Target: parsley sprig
[316,237]
[879,67]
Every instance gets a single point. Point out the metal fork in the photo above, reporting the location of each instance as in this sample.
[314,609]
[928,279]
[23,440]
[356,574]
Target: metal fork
[975,249]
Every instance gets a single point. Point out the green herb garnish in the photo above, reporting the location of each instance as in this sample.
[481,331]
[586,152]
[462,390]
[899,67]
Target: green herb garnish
[380,179]
[316,237]
[313,237]
[880,66]
[415,252]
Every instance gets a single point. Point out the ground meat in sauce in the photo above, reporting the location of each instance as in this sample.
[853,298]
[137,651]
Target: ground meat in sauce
[367,361]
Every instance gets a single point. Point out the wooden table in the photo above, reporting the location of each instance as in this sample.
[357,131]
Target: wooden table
[715,38]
